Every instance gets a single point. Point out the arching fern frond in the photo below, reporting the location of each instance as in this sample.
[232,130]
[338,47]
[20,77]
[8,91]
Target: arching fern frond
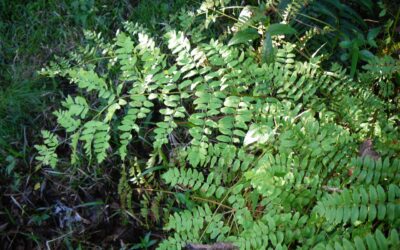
[195,181]
[375,240]
[95,134]
[361,204]
[126,56]
[89,80]
[193,226]
[371,172]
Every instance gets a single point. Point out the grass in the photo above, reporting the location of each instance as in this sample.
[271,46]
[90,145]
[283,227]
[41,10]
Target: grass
[31,33]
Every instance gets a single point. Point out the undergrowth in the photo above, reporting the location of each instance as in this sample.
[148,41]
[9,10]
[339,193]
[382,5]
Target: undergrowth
[259,151]
[238,124]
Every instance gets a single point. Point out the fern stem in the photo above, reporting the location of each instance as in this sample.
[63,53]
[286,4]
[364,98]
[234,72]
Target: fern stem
[215,212]
[193,197]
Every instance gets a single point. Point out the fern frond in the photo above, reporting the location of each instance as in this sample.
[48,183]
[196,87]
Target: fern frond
[189,227]
[368,171]
[65,119]
[47,154]
[194,180]
[77,106]
[126,56]
[292,9]
[95,134]
[89,80]
[357,205]
[375,240]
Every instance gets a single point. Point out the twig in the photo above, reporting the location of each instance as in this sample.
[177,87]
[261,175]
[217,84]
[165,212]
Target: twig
[58,238]
[216,246]
[332,189]
[193,197]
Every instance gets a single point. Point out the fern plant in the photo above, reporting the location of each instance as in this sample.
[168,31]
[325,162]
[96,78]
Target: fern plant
[266,153]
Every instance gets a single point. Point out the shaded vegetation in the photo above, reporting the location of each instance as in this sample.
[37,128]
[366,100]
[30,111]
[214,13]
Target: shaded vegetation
[157,124]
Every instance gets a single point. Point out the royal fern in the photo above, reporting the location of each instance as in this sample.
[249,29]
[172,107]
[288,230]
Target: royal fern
[261,155]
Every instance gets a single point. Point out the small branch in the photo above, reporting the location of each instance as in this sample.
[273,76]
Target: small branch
[193,197]
[332,189]
[216,246]
[58,238]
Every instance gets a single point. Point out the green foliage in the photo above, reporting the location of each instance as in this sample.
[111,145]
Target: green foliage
[383,72]
[145,243]
[56,28]
[47,153]
[361,204]
[258,152]
[195,180]
[376,240]
[95,134]
[374,172]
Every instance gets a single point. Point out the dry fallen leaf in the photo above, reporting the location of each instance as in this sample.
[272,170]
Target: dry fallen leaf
[367,149]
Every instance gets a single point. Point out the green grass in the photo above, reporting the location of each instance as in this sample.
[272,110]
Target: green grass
[30,33]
